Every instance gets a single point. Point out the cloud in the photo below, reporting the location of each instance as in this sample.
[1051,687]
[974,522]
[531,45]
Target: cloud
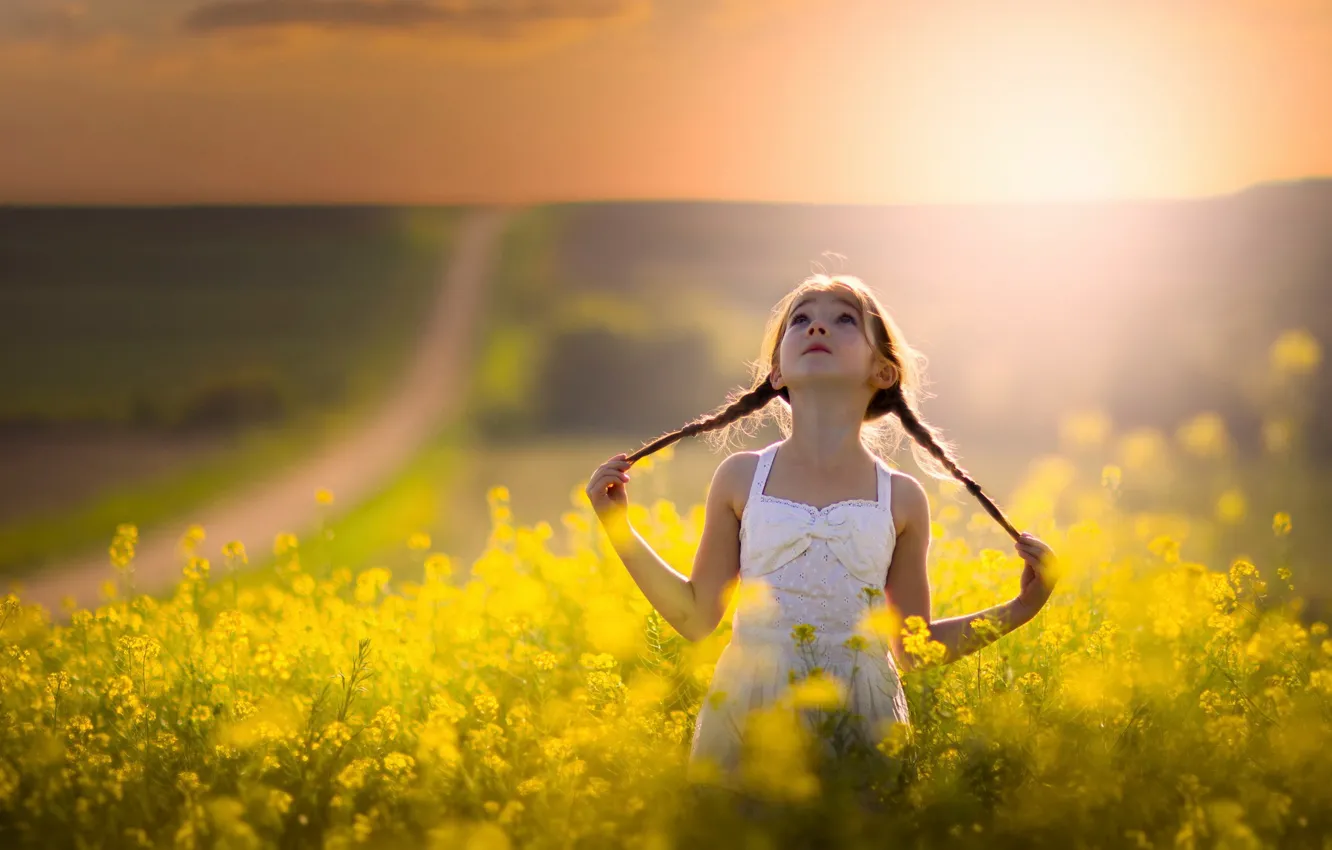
[79,23]
[482,18]
[46,21]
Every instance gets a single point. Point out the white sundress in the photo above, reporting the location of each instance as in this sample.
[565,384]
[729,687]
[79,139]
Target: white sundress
[816,564]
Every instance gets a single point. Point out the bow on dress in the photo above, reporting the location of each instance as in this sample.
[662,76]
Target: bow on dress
[856,535]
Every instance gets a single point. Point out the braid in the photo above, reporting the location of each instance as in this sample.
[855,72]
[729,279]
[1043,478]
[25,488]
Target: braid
[925,436]
[744,405]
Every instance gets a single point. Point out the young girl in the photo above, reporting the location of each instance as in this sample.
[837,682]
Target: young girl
[820,520]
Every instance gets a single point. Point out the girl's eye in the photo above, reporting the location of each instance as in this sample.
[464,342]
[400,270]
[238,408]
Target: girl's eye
[798,316]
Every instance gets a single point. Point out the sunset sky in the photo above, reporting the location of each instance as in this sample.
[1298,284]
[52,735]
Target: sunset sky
[448,101]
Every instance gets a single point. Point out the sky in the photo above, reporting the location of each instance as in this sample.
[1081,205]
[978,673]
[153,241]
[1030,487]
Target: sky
[534,101]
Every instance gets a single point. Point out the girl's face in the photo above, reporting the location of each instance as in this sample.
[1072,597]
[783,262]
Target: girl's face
[825,339]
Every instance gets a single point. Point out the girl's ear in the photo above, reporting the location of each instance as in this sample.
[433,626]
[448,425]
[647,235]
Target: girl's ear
[886,377]
[775,377]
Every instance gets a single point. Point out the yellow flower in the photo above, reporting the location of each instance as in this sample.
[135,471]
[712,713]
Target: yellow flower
[496,764]
[1205,435]
[284,542]
[1242,572]
[512,810]
[438,567]
[196,569]
[1295,352]
[917,641]
[230,623]
[776,763]
[803,634]
[519,675]
[528,787]
[324,497]
[193,536]
[599,661]
[1142,448]
[399,765]
[1165,547]
[486,705]
[1230,506]
[1084,429]
[1277,435]
[1111,476]
[418,542]
[880,622]
[363,826]
[823,691]
[122,545]
[856,643]
[56,683]
[894,739]
[370,582]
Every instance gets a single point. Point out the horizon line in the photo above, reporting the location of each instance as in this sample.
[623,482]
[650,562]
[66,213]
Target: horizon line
[665,200]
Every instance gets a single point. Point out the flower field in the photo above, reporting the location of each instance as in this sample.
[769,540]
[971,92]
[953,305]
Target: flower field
[533,699]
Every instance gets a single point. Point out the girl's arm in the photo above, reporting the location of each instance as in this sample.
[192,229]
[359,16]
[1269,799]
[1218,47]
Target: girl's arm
[908,589]
[693,604]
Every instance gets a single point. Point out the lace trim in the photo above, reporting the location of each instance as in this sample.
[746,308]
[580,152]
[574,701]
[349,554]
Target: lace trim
[816,511]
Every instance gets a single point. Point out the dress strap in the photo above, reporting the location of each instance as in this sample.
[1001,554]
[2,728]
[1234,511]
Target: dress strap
[885,484]
[761,471]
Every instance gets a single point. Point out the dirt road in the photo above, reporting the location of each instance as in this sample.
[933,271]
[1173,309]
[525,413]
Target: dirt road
[352,469]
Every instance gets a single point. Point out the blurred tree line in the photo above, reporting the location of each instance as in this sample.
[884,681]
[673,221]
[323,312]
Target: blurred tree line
[560,356]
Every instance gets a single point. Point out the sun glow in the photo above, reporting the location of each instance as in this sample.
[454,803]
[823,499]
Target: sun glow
[1050,153]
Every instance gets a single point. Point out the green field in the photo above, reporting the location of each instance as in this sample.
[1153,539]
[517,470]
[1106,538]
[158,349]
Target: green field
[277,330]
[130,314]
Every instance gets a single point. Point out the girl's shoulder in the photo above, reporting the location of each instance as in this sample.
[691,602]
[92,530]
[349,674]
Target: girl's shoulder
[733,478]
[741,461]
[910,503]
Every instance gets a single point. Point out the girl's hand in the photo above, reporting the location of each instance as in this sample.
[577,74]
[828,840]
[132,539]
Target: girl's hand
[606,488]
[1039,574]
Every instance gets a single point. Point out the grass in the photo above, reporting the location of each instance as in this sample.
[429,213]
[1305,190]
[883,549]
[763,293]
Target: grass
[107,312]
[376,530]
[34,542]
